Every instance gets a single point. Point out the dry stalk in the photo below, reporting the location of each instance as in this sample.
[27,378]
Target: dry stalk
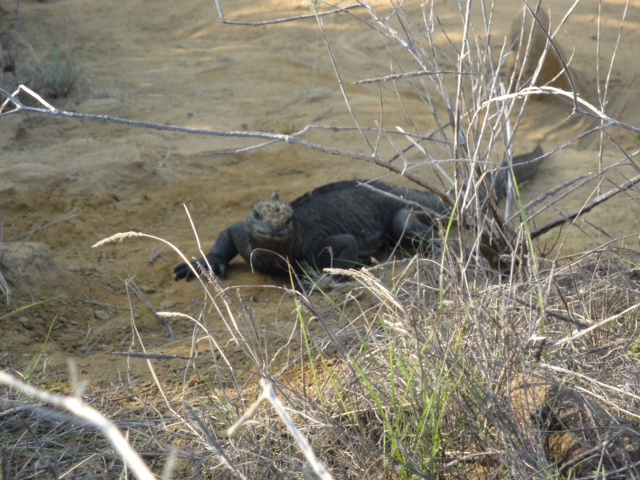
[269,395]
[89,415]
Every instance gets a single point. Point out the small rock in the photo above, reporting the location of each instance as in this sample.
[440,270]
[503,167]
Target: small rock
[167,304]
[26,323]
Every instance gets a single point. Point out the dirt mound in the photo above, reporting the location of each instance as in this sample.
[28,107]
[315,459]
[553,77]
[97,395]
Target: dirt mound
[29,267]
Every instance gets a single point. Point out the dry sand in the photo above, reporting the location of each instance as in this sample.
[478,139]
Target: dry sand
[172,62]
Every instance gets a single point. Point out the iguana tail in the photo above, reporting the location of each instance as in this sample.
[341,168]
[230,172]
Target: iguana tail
[524,168]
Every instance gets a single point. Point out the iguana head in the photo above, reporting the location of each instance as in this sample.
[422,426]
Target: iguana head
[270,222]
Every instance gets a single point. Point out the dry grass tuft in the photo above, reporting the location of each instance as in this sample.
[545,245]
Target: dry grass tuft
[46,58]
[409,380]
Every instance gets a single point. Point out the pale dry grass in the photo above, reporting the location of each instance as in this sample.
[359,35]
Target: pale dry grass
[409,380]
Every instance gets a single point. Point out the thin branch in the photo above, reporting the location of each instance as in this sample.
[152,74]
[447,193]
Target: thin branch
[158,356]
[587,108]
[585,209]
[28,235]
[268,394]
[552,44]
[282,20]
[632,310]
[279,137]
[401,76]
[336,70]
[134,288]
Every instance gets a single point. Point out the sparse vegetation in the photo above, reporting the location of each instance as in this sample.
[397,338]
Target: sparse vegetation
[484,361]
[56,73]
[4,286]
[48,63]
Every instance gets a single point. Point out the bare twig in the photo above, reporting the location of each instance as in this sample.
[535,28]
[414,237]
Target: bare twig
[403,76]
[291,139]
[282,20]
[336,70]
[155,356]
[134,288]
[586,208]
[572,338]
[4,286]
[27,235]
[583,106]
[268,394]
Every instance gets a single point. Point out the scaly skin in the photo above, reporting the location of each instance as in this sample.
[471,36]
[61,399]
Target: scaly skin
[338,225]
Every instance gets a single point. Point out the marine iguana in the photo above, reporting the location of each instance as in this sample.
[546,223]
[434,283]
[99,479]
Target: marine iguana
[337,225]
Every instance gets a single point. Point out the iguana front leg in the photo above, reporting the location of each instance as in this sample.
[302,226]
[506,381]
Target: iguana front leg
[414,227]
[230,243]
[337,251]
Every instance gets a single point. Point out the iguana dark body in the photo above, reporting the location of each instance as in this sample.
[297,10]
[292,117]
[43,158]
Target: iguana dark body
[340,224]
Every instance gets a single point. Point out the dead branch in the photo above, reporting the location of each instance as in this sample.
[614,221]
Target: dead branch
[28,235]
[50,110]
[134,288]
[584,107]
[282,20]
[587,208]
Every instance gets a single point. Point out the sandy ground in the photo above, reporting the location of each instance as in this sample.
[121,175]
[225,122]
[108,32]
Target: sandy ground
[172,62]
